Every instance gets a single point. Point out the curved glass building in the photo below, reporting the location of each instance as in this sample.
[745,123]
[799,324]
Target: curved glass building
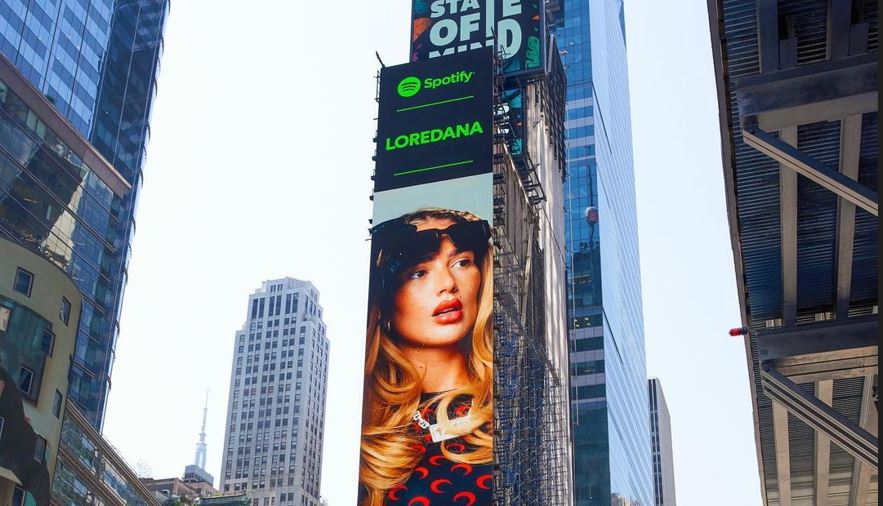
[95,62]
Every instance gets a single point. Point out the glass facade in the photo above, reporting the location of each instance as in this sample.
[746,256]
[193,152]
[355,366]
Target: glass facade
[96,61]
[99,477]
[609,407]
[26,343]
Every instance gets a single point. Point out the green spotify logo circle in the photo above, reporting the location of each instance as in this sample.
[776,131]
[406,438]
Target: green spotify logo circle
[408,87]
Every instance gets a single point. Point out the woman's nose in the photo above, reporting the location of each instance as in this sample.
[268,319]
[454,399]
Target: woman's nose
[445,282]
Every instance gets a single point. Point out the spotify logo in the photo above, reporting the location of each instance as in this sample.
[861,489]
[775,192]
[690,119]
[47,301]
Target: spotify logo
[408,87]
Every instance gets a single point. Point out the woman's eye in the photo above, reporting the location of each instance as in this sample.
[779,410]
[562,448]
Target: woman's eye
[463,262]
[417,274]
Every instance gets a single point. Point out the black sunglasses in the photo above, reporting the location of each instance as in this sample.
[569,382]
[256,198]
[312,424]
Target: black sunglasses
[404,243]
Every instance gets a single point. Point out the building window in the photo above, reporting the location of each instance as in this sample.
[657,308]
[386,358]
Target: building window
[56,404]
[40,450]
[24,281]
[47,344]
[64,314]
[18,497]
[25,380]
[5,314]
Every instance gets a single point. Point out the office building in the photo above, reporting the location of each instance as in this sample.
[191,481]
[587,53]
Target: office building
[609,409]
[797,92]
[90,472]
[56,192]
[663,456]
[276,408]
[95,63]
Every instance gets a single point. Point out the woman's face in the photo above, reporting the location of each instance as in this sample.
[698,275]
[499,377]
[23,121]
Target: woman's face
[437,302]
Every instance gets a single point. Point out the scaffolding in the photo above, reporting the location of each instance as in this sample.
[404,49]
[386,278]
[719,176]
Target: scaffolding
[530,432]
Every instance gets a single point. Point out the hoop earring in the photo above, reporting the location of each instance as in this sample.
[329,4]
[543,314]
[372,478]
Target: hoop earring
[386,327]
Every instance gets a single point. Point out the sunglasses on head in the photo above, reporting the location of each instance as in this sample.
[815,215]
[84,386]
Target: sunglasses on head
[404,243]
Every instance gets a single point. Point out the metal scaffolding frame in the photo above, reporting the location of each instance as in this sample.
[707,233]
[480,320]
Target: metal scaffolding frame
[530,433]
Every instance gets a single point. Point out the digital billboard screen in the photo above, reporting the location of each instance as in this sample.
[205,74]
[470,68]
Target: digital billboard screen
[435,120]
[446,27]
[427,412]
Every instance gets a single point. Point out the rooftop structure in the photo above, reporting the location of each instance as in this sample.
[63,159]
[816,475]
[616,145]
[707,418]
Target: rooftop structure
[172,488]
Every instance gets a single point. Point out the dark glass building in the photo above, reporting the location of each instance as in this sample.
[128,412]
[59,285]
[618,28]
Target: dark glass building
[96,62]
[609,406]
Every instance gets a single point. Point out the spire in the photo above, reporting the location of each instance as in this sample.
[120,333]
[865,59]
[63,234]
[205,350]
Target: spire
[200,446]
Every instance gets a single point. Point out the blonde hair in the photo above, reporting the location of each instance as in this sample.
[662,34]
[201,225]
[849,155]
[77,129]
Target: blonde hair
[392,388]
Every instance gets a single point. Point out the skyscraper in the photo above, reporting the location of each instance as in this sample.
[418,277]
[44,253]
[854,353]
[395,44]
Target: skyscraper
[609,410]
[65,225]
[96,62]
[663,456]
[276,407]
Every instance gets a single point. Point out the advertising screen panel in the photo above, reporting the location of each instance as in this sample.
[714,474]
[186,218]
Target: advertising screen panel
[427,419]
[435,121]
[446,27]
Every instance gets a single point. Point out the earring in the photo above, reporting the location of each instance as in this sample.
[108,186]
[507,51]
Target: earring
[386,327]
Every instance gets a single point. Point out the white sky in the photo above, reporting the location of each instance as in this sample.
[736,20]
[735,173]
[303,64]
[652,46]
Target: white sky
[259,168]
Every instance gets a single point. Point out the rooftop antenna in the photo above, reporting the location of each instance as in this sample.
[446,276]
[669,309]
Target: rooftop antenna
[200,446]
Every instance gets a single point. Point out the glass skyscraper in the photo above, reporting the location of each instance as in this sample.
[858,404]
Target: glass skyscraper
[96,61]
[609,407]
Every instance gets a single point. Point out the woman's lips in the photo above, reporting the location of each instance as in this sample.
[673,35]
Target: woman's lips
[450,311]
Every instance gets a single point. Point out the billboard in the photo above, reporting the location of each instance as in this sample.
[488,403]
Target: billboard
[446,27]
[427,413]
[435,121]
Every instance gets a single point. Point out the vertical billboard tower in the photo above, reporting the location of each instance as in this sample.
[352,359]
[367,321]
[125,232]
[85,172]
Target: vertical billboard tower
[427,421]
[466,361]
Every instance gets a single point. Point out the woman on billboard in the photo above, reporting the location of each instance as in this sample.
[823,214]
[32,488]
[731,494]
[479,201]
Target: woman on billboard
[428,400]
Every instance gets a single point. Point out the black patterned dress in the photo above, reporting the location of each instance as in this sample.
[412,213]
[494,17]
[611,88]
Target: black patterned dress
[437,481]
